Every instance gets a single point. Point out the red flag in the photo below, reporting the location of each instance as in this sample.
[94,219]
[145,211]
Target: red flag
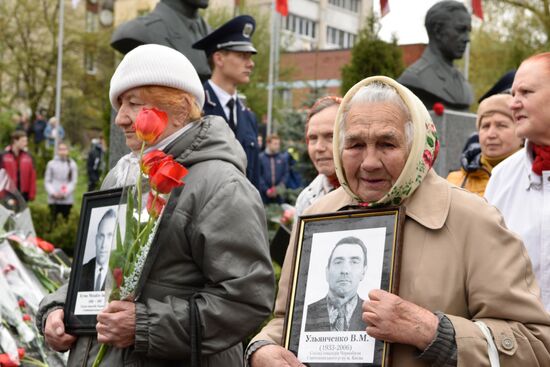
[384,7]
[477,9]
[282,7]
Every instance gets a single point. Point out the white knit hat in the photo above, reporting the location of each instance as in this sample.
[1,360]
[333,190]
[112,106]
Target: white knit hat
[155,65]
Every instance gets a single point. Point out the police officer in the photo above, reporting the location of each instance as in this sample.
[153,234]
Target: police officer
[229,51]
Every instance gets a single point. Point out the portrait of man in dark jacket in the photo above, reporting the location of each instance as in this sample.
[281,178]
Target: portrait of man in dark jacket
[340,309]
[94,271]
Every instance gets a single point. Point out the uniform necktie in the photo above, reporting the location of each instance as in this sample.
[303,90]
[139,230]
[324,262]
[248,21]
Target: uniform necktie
[231,121]
[340,323]
[97,286]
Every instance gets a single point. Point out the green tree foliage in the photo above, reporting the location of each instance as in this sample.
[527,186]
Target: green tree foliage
[27,51]
[510,32]
[28,63]
[371,56]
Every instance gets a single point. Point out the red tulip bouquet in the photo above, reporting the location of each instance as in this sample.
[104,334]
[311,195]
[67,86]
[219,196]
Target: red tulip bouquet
[159,173]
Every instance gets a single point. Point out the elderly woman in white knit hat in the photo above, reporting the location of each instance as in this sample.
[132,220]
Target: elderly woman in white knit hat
[497,141]
[211,282]
[465,281]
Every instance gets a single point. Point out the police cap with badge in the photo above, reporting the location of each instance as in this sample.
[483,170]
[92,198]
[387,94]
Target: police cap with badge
[234,35]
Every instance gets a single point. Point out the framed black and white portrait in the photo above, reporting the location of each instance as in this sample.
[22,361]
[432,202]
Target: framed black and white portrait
[100,215]
[340,257]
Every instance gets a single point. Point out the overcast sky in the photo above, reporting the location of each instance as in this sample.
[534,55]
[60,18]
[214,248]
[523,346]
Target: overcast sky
[405,19]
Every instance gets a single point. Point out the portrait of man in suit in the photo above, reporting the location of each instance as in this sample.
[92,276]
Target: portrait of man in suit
[340,309]
[94,271]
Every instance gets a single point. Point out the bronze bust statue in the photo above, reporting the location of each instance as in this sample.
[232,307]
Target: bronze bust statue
[433,78]
[173,23]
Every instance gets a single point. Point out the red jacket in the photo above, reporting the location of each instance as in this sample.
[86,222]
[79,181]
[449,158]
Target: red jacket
[21,170]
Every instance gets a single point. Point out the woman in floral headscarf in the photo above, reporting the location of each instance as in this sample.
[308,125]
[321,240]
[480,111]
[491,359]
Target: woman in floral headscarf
[384,149]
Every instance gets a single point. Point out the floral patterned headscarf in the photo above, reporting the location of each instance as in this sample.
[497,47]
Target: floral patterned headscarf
[423,152]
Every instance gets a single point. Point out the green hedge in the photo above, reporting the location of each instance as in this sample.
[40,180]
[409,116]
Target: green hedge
[61,233]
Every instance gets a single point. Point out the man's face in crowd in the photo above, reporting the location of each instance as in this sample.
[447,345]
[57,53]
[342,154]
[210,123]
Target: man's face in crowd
[345,270]
[236,66]
[374,148]
[455,35]
[319,140]
[531,110]
[104,240]
[21,143]
[274,145]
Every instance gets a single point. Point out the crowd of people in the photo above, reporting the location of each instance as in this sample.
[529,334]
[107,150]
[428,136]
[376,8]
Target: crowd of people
[60,172]
[474,274]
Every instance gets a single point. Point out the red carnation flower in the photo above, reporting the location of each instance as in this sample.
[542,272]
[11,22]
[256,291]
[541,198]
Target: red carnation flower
[438,108]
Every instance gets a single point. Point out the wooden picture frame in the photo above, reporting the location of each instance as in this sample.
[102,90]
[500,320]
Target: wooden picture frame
[339,258]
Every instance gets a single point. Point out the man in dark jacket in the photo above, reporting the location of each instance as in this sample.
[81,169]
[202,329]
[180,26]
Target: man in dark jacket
[229,50]
[95,163]
[274,170]
[341,310]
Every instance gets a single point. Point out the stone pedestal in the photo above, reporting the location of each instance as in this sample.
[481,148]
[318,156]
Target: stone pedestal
[453,129]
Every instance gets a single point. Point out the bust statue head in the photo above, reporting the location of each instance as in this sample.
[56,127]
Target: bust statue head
[203,4]
[448,24]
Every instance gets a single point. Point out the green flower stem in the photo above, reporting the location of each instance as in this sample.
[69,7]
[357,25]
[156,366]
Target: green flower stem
[33,361]
[138,184]
[135,245]
[100,354]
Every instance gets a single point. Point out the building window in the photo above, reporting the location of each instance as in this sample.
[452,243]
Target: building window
[285,96]
[299,25]
[351,5]
[89,63]
[341,38]
[91,22]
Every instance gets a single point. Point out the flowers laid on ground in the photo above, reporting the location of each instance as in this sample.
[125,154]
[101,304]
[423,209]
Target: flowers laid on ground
[40,257]
[159,174]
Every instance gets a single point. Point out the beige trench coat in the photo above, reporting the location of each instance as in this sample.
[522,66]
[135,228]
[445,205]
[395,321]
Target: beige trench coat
[458,258]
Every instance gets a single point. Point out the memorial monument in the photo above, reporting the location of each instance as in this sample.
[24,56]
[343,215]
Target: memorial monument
[433,78]
[173,23]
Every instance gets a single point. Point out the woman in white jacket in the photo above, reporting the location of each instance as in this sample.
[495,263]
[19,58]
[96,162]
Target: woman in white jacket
[60,182]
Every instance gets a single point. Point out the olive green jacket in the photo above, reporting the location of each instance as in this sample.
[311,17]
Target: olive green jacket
[212,241]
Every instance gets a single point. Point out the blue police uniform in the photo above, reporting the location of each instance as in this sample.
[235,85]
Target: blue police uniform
[246,131]
[235,35]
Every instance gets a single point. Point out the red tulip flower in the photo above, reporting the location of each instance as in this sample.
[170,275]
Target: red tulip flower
[22,303]
[21,352]
[438,108]
[26,317]
[150,124]
[118,276]
[5,361]
[151,160]
[167,176]
[45,245]
[155,204]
